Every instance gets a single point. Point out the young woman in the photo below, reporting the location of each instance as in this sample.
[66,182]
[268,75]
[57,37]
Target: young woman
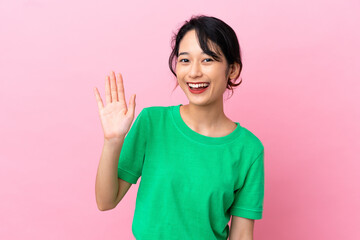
[197,166]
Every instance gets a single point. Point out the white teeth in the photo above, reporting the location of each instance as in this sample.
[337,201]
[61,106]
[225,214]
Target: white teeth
[198,85]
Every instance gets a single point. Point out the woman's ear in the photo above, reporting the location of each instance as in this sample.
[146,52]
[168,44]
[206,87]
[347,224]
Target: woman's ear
[234,70]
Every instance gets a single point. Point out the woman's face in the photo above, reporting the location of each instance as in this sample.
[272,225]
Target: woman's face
[194,66]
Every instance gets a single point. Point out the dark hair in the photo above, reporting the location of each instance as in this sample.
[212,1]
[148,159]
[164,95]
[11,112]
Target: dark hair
[218,32]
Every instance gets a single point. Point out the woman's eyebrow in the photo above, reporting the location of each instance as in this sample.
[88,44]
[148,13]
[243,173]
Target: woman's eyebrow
[186,53]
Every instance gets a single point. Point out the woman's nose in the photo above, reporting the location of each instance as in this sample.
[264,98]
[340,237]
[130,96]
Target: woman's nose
[195,70]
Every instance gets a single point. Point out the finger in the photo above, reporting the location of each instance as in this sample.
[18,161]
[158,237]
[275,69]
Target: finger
[132,104]
[98,99]
[107,90]
[114,97]
[121,90]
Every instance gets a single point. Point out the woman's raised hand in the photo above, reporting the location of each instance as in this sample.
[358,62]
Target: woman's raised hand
[116,117]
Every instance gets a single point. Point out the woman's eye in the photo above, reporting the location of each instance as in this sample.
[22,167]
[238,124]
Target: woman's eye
[186,60]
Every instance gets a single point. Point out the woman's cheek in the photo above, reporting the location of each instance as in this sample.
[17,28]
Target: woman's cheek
[180,72]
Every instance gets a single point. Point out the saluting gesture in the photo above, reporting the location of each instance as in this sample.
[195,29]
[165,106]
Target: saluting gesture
[116,117]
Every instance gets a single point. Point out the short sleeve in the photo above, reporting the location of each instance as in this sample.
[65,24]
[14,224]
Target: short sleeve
[132,153]
[248,202]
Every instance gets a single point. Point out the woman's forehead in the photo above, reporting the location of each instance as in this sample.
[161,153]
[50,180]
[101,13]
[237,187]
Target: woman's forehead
[190,44]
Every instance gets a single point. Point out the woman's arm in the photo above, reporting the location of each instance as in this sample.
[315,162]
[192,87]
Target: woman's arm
[241,228]
[116,119]
[107,183]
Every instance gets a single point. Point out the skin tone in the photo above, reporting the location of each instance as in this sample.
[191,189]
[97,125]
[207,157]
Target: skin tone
[205,112]
[116,118]
[241,228]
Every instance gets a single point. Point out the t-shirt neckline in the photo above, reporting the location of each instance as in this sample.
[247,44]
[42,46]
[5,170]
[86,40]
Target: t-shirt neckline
[186,130]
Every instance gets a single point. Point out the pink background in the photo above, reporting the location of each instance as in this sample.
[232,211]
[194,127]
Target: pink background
[300,96]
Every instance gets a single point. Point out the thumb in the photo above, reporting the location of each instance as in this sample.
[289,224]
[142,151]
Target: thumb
[132,105]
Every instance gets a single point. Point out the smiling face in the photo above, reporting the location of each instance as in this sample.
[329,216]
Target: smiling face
[194,66]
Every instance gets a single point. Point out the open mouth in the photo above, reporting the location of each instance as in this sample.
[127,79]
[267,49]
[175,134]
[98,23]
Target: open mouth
[198,86]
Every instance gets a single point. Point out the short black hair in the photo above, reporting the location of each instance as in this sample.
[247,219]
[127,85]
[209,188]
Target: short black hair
[216,30]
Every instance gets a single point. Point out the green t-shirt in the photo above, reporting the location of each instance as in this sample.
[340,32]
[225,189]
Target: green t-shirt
[190,183]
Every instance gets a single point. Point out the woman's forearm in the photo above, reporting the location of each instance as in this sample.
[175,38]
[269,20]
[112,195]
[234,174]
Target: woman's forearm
[107,185]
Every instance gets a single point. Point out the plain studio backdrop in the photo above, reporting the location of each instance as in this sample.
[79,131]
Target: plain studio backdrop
[299,96]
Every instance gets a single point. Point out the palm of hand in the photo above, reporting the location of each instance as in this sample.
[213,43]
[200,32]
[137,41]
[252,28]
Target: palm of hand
[114,120]
[116,117]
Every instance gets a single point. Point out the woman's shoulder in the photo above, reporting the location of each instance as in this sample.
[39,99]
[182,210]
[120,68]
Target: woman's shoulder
[157,112]
[157,109]
[251,139]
